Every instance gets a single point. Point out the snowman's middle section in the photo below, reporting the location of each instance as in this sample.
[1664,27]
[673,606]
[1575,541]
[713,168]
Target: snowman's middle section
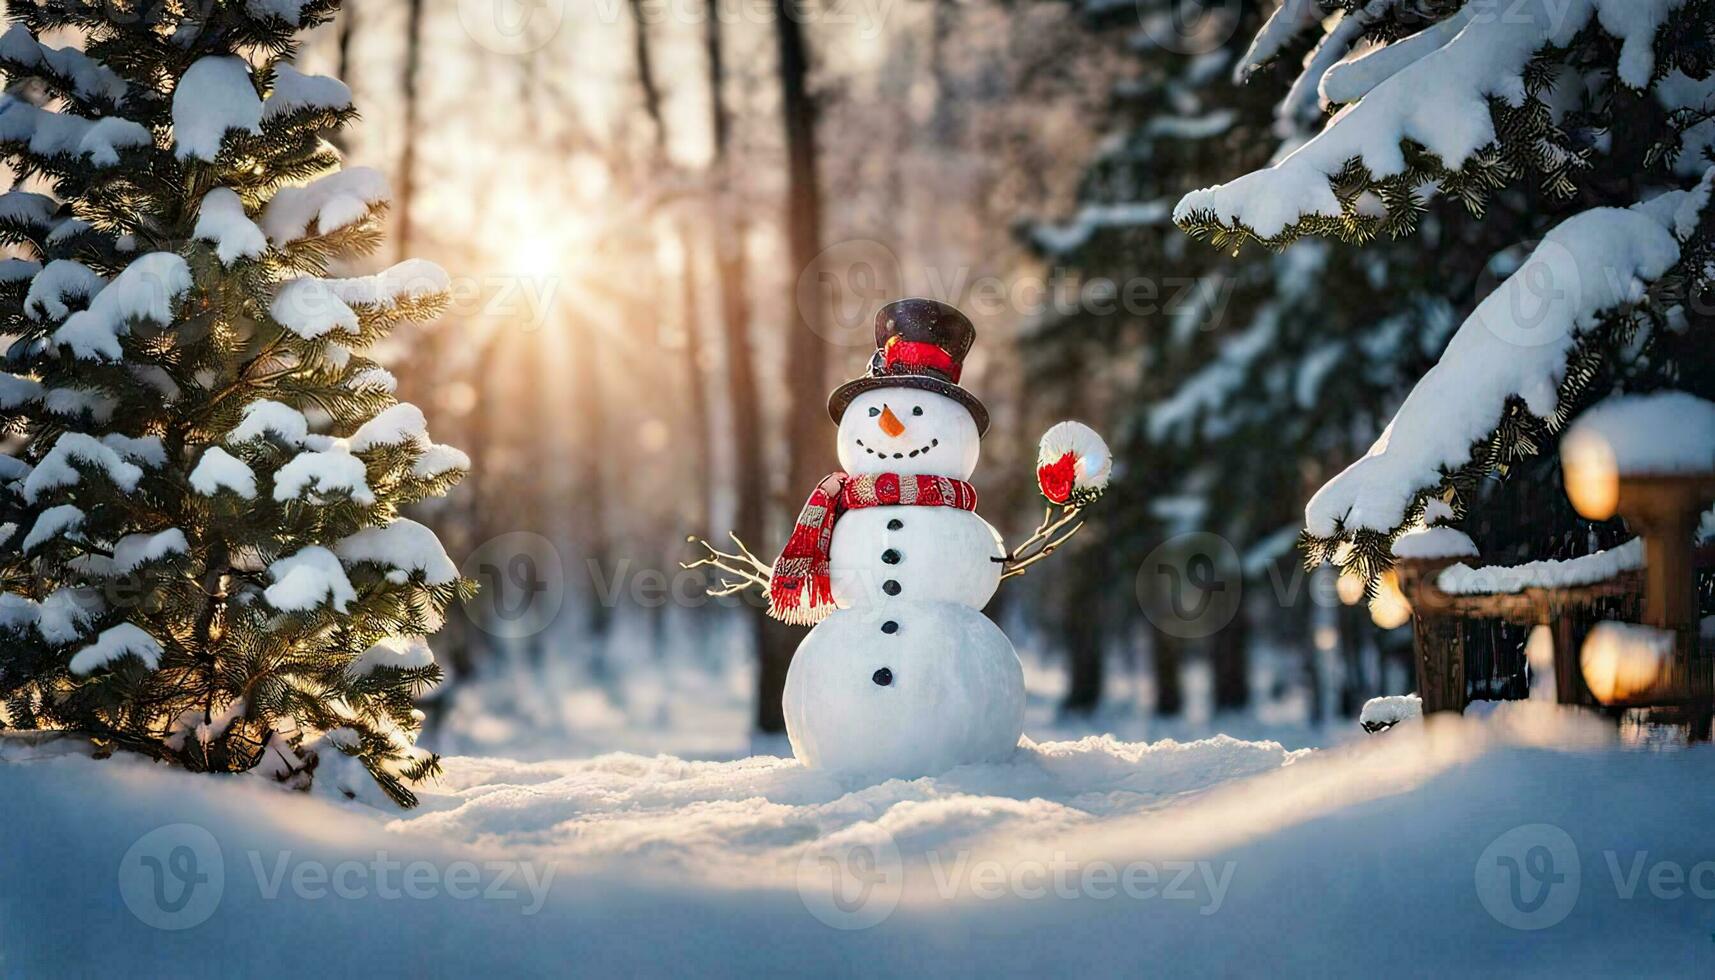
[914,554]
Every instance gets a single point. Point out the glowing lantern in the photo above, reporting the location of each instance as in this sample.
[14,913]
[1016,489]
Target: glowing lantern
[1390,609]
[1623,662]
[1350,589]
[1592,474]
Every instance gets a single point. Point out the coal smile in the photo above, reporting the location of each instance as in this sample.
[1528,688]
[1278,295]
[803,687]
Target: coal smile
[913,453]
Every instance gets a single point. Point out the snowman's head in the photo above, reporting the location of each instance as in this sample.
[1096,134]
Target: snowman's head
[910,432]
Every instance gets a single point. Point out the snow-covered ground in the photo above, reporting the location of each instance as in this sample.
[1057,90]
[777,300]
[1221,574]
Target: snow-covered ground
[1429,849]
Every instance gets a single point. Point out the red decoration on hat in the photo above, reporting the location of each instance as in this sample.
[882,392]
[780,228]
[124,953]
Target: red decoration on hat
[916,353]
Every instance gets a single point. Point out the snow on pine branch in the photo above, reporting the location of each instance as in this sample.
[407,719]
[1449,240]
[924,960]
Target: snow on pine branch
[311,475]
[439,459]
[63,616]
[145,450]
[311,308]
[1434,542]
[75,402]
[14,271]
[403,545]
[220,470]
[376,377]
[295,91]
[124,640]
[1514,345]
[305,580]
[16,392]
[59,521]
[1300,104]
[146,290]
[289,11]
[83,76]
[55,134]
[133,551]
[1439,102]
[1692,101]
[395,652]
[222,221]
[328,203]
[410,280]
[1066,238]
[397,425]
[59,467]
[67,229]
[1351,80]
[58,281]
[22,209]
[216,96]
[1290,19]
[265,417]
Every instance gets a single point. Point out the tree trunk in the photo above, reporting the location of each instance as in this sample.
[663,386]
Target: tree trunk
[772,641]
[1355,688]
[1230,650]
[411,122]
[588,406]
[420,361]
[1169,689]
[342,64]
[808,436]
[645,64]
[696,382]
[807,430]
[1084,651]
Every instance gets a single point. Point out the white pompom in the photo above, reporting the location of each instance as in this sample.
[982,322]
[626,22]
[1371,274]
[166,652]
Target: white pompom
[1072,464]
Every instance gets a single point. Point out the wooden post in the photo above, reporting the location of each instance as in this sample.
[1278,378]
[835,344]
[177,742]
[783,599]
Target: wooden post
[1665,510]
[1438,643]
[1568,671]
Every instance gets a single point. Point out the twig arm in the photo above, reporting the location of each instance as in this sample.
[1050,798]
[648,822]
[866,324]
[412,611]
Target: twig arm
[1047,538]
[745,569]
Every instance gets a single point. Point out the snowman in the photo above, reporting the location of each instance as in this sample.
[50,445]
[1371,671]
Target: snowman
[902,674]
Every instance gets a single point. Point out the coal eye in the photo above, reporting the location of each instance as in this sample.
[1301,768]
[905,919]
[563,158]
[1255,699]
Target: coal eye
[874,412]
[882,677]
[917,410]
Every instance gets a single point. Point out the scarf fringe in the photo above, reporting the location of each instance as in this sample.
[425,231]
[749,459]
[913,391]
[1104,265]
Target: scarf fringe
[799,603]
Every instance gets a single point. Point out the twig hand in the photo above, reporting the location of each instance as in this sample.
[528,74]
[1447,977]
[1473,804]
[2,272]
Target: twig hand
[745,568]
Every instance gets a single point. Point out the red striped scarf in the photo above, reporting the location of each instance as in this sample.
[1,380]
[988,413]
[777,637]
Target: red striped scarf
[801,591]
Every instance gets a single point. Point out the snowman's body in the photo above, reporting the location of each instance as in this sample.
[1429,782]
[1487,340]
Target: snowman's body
[907,677]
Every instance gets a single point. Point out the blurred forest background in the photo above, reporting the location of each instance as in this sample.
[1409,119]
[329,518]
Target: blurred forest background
[670,224]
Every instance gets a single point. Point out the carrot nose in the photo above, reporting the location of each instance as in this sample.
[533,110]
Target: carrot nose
[890,423]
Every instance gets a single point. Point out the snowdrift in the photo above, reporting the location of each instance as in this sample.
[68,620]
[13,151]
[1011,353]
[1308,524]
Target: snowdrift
[1093,857]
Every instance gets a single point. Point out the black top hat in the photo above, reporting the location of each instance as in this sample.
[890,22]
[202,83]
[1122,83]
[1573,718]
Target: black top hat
[919,344]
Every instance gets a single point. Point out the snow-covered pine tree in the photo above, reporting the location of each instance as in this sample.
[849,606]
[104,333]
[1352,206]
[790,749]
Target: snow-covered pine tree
[1253,374]
[204,558]
[1173,126]
[1607,106]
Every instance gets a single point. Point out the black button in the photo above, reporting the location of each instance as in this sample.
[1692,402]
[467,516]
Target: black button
[890,587]
[890,627]
[883,677]
[895,524]
[891,556]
